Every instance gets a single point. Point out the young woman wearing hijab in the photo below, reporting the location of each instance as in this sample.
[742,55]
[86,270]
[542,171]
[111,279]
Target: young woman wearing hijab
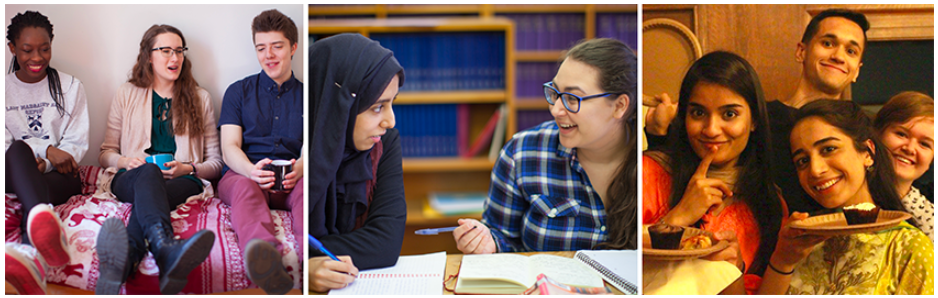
[356,187]
[160,110]
[568,184]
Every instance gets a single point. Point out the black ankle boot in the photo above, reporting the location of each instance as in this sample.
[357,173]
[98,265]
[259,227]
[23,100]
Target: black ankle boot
[116,260]
[176,258]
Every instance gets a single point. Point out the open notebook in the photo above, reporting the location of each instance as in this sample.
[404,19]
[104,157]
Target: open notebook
[513,273]
[617,267]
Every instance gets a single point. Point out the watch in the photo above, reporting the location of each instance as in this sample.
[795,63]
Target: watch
[194,171]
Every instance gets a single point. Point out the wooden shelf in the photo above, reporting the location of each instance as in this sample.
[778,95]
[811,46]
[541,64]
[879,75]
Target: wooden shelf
[367,25]
[416,217]
[446,164]
[433,9]
[463,96]
[605,8]
[362,9]
[531,103]
[541,8]
[539,56]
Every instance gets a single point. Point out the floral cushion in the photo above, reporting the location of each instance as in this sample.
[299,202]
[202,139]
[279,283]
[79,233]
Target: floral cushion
[222,271]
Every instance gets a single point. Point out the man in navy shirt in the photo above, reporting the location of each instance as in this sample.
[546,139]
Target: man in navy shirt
[262,120]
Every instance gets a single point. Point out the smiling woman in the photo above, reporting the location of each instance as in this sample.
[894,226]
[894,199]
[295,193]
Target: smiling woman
[841,162]
[907,126]
[720,135]
[46,124]
[569,183]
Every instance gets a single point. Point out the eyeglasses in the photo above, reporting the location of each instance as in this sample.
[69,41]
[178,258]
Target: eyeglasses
[168,51]
[570,101]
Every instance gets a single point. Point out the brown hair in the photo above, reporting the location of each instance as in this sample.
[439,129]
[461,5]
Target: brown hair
[617,66]
[273,20]
[186,110]
[904,107]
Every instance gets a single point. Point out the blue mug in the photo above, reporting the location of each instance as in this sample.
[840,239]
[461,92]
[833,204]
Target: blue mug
[160,159]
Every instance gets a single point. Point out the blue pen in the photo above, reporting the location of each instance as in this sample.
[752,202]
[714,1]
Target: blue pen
[318,245]
[437,230]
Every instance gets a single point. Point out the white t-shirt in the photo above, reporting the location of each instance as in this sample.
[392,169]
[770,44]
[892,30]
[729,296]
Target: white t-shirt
[31,116]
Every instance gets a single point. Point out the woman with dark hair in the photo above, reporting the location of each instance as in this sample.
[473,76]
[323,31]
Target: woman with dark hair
[160,110]
[356,185]
[46,136]
[906,124]
[841,162]
[719,136]
[568,184]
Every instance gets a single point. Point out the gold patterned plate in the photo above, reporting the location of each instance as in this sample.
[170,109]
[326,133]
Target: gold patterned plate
[835,224]
[680,254]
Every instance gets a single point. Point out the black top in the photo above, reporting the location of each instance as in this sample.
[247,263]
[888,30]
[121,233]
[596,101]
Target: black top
[378,242]
[781,119]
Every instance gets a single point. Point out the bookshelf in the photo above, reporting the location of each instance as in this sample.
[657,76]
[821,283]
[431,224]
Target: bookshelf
[426,174]
[527,66]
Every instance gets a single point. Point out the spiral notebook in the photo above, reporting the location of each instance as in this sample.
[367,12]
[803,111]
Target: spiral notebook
[617,267]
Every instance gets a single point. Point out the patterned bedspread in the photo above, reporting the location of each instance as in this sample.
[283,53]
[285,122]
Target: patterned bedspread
[222,271]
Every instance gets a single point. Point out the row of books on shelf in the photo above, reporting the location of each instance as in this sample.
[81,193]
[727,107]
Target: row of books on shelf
[439,130]
[621,26]
[531,118]
[547,31]
[438,61]
[531,76]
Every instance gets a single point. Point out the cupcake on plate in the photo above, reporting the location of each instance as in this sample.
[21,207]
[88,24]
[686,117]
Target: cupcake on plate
[862,213]
[664,236]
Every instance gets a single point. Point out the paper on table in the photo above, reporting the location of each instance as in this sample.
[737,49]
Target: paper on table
[687,277]
[413,275]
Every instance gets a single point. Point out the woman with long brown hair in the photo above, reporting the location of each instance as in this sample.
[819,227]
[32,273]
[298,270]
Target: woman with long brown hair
[568,184]
[160,110]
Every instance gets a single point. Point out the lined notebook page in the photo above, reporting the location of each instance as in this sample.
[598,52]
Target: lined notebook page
[413,275]
[621,267]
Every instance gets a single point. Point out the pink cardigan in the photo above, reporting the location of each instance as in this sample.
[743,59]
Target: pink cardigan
[128,133]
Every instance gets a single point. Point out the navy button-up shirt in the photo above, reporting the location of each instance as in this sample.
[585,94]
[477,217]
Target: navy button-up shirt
[271,117]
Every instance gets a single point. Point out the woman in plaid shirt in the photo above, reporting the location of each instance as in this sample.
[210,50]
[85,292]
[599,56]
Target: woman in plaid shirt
[555,185]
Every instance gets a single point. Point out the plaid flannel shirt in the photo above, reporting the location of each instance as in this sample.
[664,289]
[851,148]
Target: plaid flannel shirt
[540,198]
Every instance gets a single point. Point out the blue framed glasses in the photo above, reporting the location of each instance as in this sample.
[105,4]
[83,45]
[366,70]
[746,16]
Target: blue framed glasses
[570,101]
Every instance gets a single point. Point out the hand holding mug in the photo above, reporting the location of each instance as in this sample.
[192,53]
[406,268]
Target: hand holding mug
[263,178]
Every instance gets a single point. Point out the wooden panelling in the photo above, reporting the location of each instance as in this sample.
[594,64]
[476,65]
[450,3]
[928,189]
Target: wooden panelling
[767,35]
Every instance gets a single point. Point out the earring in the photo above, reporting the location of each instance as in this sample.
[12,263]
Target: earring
[870,168]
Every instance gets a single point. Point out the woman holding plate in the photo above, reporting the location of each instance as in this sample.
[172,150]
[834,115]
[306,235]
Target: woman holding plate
[720,135]
[842,163]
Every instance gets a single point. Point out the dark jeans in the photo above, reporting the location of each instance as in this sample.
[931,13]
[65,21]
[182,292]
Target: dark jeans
[33,187]
[152,197]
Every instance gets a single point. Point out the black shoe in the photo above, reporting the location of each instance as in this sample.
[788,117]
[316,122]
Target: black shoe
[113,254]
[177,258]
[265,268]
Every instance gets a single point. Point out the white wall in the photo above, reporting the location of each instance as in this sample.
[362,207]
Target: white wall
[98,44]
